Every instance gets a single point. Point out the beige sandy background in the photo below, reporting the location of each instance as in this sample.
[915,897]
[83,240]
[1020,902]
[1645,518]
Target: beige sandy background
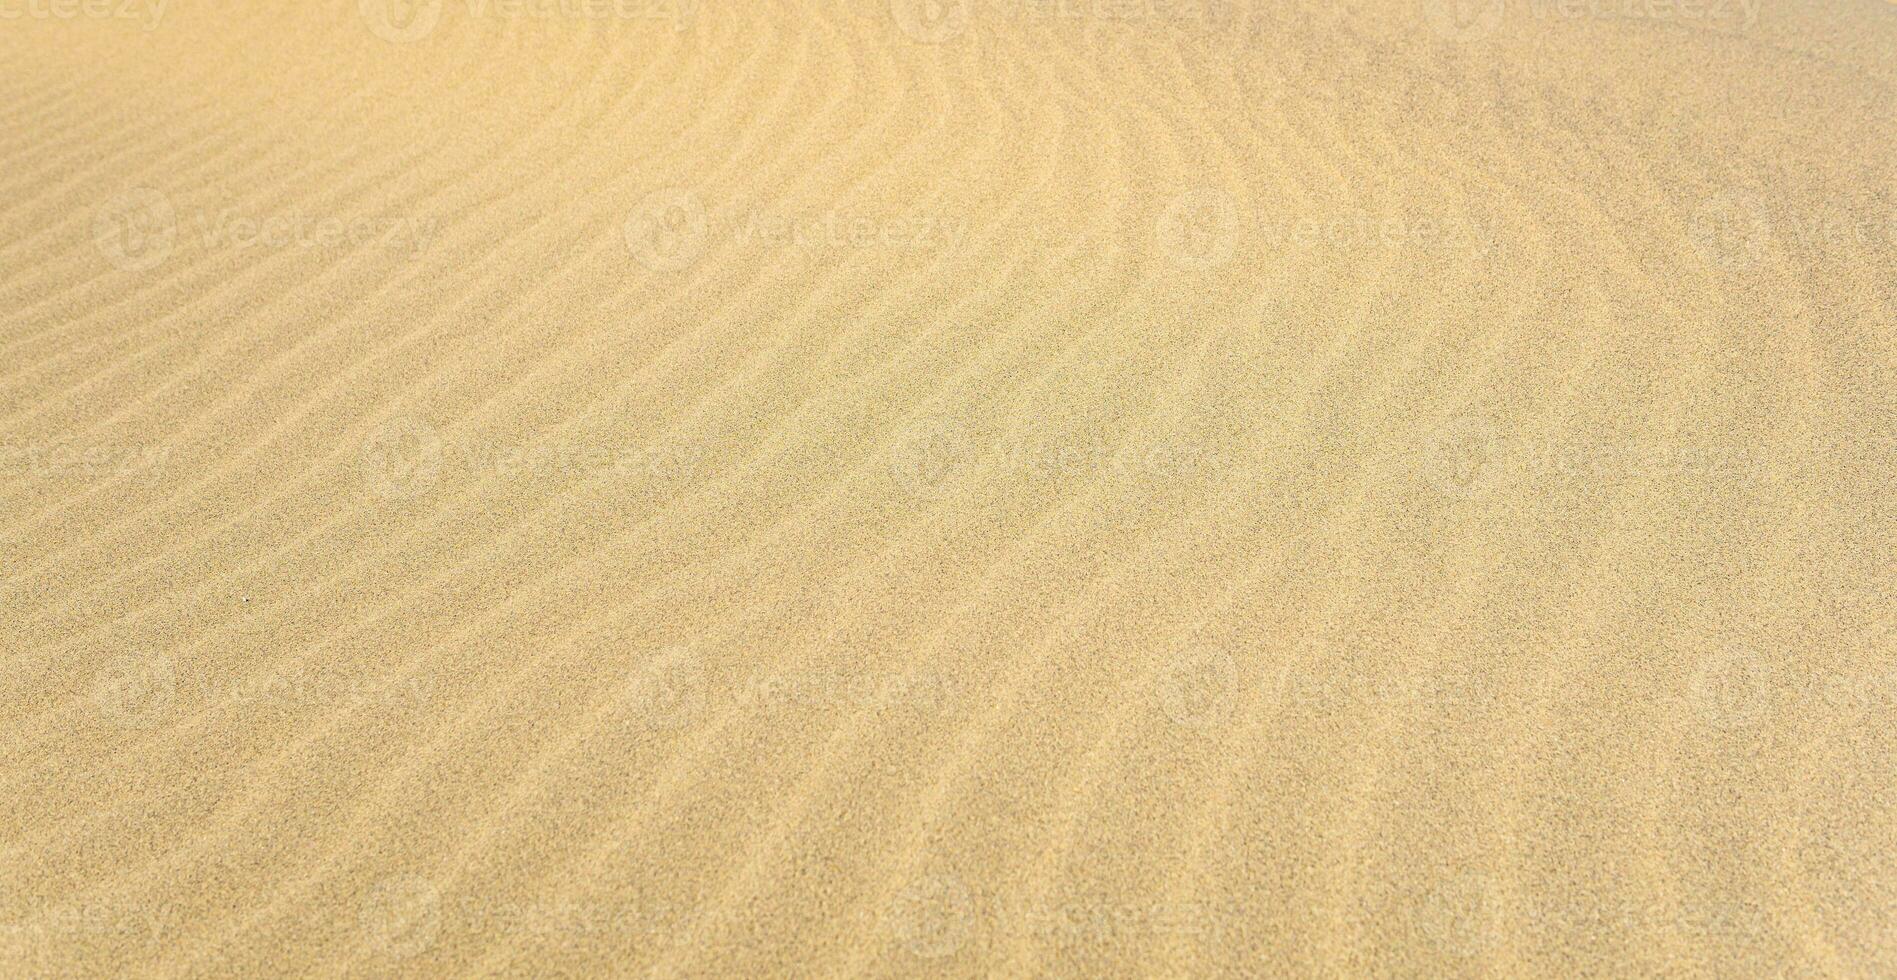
[1010,488]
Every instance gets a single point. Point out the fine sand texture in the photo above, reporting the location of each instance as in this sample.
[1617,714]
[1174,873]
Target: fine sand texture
[1094,488]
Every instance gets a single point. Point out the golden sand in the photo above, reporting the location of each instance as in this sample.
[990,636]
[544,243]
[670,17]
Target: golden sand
[991,488]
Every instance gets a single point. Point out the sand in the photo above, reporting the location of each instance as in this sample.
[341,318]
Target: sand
[1003,488]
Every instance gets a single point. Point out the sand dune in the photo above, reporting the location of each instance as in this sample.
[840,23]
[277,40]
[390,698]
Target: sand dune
[984,488]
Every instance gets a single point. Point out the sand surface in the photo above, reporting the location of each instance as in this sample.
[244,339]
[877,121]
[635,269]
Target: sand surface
[999,488]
